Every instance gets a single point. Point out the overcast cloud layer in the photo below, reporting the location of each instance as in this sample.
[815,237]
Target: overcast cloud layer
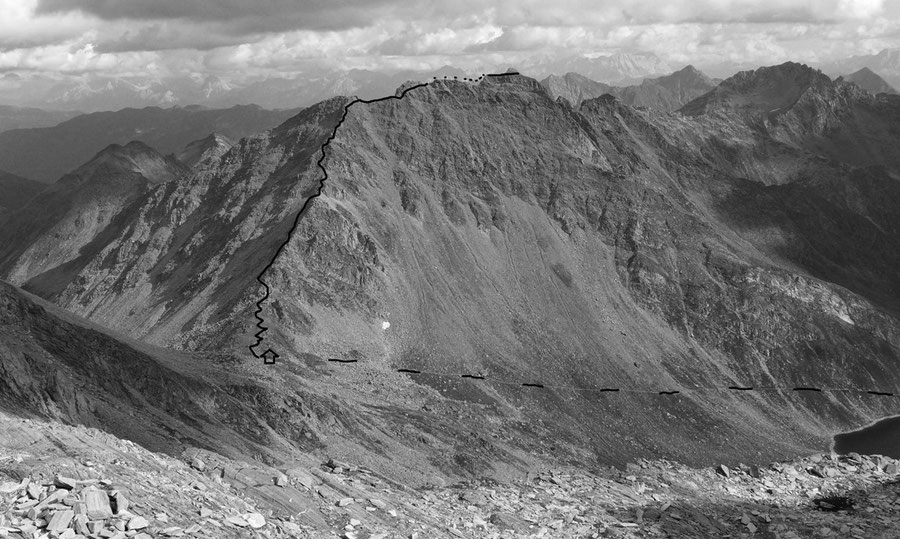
[241,39]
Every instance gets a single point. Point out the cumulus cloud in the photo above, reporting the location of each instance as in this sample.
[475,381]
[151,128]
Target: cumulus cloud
[253,38]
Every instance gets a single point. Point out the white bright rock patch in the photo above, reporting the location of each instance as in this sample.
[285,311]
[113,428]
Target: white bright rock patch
[385,324]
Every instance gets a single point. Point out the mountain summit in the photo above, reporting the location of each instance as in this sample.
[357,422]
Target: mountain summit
[135,160]
[870,81]
[767,89]
[54,227]
[204,151]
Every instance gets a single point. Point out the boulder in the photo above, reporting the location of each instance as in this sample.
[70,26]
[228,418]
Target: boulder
[137,523]
[62,481]
[255,520]
[60,521]
[97,503]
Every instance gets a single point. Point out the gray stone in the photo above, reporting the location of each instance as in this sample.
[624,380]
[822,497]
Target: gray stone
[81,525]
[121,503]
[97,503]
[237,521]
[137,523]
[62,481]
[255,520]
[302,476]
[60,521]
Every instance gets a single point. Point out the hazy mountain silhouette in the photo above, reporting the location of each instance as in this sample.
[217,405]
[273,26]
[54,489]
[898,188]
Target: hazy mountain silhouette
[47,153]
[665,93]
[868,80]
[27,117]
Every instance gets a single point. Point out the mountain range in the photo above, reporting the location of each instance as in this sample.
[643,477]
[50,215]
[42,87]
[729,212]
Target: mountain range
[886,63]
[664,93]
[24,117]
[545,248]
[46,153]
[92,93]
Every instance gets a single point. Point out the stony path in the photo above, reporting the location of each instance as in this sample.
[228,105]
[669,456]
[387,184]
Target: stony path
[75,483]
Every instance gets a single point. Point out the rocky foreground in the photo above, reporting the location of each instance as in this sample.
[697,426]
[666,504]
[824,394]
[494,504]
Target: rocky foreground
[71,482]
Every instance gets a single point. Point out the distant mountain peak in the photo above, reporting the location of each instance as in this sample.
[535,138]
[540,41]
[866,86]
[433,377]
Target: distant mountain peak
[126,160]
[869,81]
[209,148]
[688,75]
[765,89]
[691,71]
[667,92]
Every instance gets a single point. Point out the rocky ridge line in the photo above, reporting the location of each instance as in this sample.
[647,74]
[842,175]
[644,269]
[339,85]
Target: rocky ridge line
[269,355]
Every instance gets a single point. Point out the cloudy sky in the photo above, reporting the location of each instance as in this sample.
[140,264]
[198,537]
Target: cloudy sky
[257,38]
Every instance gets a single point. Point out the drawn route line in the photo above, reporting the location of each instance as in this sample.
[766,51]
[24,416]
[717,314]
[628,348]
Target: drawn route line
[269,356]
[666,391]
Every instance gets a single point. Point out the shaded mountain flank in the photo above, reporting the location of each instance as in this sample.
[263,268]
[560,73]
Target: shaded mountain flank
[870,81]
[664,93]
[70,216]
[46,153]
[16,191]
[488,229]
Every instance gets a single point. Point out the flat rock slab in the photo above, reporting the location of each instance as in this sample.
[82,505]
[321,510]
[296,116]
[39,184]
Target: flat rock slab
[286,501]
[97,503]
[60,521]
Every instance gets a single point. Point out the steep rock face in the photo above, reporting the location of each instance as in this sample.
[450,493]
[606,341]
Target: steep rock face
[182,262]
[490,229]
[52,228]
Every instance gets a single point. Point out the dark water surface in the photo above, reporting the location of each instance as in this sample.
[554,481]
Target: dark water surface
[880,438]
